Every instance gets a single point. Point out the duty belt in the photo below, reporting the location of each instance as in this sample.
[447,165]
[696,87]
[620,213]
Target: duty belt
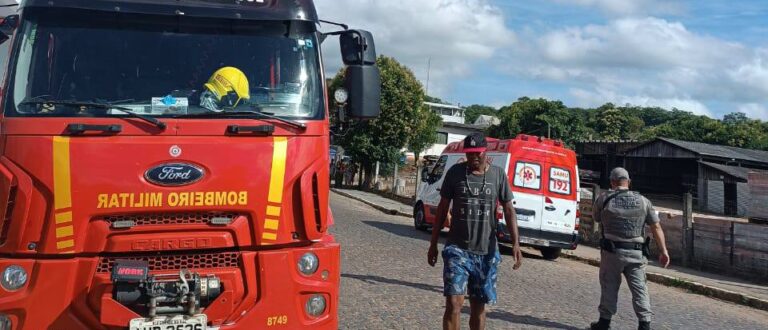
[610,245]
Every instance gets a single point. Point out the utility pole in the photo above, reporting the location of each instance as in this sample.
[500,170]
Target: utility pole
[549,131]
[429,65]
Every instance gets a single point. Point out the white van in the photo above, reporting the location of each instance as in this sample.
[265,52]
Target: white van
[544,179]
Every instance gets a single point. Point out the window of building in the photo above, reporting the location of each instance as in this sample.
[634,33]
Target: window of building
[442,138]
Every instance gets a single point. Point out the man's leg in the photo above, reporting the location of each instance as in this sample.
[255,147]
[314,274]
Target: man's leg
[482,287]
[641,301]
[452,316]
[610,281]
[477,314]
[455,278]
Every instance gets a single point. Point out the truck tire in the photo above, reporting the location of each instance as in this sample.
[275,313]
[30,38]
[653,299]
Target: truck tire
[418,218]
[550,253]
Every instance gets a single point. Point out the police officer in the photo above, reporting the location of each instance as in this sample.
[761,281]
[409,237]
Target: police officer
[623,216]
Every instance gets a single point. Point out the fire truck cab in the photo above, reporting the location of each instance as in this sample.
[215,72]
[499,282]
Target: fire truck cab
[145,180]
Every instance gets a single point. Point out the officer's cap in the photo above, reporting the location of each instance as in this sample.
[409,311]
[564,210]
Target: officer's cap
[619,173]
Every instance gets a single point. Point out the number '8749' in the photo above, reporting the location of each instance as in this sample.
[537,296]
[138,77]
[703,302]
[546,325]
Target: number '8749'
[277,320]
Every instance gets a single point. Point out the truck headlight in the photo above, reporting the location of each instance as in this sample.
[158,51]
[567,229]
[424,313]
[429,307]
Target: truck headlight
[14,277]
[5,322]
[315,305]
[308,263]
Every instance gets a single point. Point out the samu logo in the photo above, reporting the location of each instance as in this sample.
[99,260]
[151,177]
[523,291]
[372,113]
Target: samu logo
[175,174]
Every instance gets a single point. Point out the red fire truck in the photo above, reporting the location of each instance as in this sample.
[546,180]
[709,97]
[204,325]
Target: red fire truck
[164,164]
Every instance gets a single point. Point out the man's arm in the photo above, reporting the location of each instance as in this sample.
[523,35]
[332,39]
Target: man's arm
[510,218]
[597,207]
[653,221]
[442,212]
[661,243]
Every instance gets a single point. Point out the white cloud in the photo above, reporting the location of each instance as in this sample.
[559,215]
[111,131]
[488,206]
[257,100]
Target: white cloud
[755,111]
[585,98]
[753,75]
[646,43]
[644,61]
[455,34]
[630,7]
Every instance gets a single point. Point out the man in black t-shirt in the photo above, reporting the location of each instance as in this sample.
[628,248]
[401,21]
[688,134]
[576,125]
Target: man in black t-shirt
[471,254]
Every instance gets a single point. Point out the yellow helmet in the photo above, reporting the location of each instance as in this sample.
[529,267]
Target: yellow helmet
[229,86]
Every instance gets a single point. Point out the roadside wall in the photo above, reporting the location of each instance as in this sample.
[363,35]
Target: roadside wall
[721,246]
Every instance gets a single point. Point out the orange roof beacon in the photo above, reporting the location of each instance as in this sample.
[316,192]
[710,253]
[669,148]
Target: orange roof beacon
[134,193]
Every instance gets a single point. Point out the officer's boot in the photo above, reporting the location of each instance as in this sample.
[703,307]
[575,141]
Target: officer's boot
[602,324]
[644,325]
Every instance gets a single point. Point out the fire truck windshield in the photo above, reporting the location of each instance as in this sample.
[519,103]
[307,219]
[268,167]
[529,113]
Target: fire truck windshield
[163,66]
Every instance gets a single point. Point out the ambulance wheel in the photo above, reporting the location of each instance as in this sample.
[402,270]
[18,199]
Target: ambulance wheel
[550,253]
[418,217]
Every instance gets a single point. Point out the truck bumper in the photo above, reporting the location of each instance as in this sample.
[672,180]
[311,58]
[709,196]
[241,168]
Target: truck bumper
[262,289]
[540,238]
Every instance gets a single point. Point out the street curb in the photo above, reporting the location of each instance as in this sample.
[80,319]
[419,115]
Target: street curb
[691,286]
[372,204]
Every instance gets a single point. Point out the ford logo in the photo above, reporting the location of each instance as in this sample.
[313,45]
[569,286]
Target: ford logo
[174,174]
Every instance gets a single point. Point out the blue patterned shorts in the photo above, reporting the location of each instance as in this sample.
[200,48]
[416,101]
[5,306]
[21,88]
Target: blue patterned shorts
[464,270]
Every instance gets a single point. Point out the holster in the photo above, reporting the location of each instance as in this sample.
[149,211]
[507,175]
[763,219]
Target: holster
[607,245]
[647,247]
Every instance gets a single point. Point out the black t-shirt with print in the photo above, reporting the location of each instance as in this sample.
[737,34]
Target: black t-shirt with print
[474,197]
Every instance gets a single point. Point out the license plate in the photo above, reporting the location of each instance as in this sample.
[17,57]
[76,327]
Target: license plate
[533,241]
[177,322]
[525,218]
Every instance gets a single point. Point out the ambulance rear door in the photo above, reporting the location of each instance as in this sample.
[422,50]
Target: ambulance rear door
[560,203]
[527,189]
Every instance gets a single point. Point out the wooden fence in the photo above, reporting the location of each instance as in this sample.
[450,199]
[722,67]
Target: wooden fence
[718,245]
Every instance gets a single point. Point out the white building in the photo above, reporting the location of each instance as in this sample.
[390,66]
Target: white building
[453,128]
[451,132]
[487,121]
[449,113]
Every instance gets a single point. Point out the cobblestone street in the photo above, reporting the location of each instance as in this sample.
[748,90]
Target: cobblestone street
[387,284]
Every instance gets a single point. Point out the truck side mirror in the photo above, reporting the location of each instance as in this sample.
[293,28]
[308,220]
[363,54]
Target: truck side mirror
[364,85]
[362,79]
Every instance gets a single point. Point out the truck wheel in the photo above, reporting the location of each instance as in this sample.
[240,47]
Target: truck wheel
[418,218]
[550,253]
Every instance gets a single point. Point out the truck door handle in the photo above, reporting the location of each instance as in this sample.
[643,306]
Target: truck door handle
[260,129]
[550,208]
[82,128]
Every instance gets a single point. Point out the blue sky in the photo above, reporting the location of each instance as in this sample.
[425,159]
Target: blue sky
[708,57]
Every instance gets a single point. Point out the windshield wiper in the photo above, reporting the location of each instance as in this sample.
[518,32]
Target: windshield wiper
[97,105]
[244,113]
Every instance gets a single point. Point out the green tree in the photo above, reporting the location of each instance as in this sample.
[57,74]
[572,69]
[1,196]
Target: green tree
[616,123]
[433,99]
[381,139]
[472,112]
[540,117]
[425,132]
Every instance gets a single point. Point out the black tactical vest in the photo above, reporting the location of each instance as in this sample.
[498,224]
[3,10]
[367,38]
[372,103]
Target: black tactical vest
[624,215]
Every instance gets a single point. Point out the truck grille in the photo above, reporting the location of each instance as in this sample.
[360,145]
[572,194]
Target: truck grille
[176,218]
[177,261]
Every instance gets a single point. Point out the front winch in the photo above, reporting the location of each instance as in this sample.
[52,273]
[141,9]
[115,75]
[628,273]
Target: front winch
[185,293]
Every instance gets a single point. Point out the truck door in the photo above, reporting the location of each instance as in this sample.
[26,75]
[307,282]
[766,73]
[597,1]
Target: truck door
[529,201]
[560,201]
